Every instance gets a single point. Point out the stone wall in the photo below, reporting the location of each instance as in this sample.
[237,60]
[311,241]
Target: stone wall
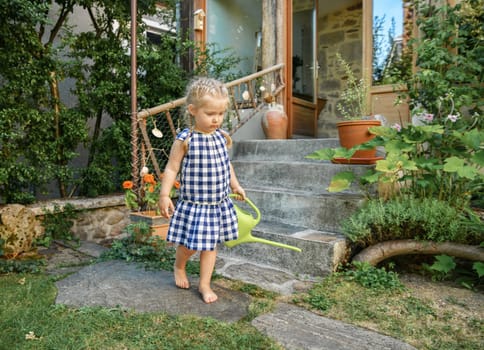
[340,31]
[99,218]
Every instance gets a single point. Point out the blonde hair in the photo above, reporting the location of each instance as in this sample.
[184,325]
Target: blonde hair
[196,91]
[201,87]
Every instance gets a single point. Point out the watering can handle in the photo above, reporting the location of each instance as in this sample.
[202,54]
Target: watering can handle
[249,202]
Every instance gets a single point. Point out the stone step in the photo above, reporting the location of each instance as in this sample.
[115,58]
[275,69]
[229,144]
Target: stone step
[321,251]
[280,150]
[296,175]
[296,209]
[302,208]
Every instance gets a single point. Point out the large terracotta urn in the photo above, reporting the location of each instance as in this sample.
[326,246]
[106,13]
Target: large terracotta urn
[274,122]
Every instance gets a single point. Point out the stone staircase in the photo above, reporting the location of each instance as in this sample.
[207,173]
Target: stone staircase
[290,192]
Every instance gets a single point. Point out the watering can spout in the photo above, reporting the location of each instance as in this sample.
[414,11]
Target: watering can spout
[246,223]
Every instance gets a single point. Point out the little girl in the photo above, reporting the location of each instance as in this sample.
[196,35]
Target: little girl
[204,215]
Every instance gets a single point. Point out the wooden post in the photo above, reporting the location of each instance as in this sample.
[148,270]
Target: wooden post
[134,99]
[269,32]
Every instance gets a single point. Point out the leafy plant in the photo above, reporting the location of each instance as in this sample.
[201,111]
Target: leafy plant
[354,96]
[32,111]
[440,159]
[140,246]
[318,300]
[149,193]
[449,51]
[446,268]
[102,87]
[21,266]
[323,295]
[372,277]
[216,63]
[407,218]
[58,223]
[442,266]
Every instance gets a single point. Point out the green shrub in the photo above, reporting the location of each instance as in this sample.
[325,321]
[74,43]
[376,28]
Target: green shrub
[151,251]
[322,295]
[21,266]
[58,224]
[372,277]
[447,268]
[406,218]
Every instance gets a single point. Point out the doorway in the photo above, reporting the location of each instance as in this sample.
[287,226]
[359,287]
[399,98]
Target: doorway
[304,69]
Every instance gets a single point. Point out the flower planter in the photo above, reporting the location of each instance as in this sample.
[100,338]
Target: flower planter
[353,133]
[158,224]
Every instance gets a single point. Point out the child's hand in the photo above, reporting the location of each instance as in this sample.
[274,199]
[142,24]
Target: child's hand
[239,191]
[166,206]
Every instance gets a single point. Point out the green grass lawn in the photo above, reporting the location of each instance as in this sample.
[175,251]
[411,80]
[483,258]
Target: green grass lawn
[29,319]
[426,314]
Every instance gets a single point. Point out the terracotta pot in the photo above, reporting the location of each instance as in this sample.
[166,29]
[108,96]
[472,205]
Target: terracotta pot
[355,132]
[274,122]
[158,224]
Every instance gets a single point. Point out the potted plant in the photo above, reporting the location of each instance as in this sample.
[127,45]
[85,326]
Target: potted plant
[355,109]
[144,205]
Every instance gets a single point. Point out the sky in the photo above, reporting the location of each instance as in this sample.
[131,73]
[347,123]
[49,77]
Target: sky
[390,8]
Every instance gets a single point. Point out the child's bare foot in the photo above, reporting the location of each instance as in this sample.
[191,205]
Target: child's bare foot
[181,279]
[208,295]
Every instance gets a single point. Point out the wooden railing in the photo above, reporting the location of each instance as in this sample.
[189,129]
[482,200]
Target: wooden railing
[159,125]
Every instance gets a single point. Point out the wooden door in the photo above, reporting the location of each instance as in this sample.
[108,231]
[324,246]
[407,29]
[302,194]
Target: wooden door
[304,106]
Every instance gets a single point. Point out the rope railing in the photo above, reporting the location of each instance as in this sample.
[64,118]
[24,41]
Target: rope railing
[160,124]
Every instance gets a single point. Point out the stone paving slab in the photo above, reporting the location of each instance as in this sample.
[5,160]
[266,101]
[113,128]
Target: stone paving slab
[278,281]
[130,286]
[297,329]
[62,259]
[91,249]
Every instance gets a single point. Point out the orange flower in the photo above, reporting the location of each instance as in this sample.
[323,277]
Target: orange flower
[176,185]
[127,185]
[151,188]
[149,179]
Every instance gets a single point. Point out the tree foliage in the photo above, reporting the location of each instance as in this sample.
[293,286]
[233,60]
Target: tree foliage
[42,54]
[450,56]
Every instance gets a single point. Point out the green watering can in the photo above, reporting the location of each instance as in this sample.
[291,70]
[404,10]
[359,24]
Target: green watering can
[246,223]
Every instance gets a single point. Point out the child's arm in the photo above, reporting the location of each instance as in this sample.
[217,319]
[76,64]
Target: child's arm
[234,184]
[169,176]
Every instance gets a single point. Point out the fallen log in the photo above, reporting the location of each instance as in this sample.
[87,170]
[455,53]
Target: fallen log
[384,250]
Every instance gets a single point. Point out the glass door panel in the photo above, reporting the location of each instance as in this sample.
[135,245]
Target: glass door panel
[303,57]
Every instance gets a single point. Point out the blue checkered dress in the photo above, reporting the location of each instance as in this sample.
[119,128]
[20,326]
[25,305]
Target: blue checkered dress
[204,214]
